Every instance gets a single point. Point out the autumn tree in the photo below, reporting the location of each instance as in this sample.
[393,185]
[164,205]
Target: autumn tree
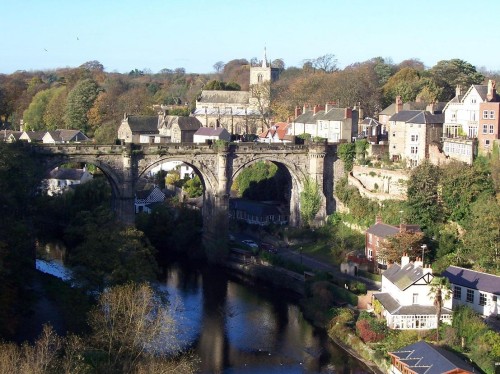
[405,83]
[403,242]
[34,115]
[218,66]
[54,112]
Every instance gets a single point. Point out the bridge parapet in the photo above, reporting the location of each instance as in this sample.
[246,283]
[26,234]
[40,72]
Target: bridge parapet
[78,149]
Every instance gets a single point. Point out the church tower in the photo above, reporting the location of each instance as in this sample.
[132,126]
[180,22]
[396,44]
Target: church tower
[263,73]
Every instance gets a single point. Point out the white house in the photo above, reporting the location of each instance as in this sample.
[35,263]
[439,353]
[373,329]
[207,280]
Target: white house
[60,180]
[406,297]
[277,133]
[64,136]
[145,198]
[208,133]
[480,291]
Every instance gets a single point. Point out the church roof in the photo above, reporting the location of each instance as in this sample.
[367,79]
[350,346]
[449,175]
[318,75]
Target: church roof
[229,97]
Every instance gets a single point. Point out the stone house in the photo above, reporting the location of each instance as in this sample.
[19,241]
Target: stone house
[372,130]
[132,127]
[377,234]
[406,298]
[325,121]
[397,106]
[412,131]
[480,291]
[179,129]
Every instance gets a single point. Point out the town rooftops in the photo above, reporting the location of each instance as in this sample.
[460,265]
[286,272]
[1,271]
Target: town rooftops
[475,280]
[67,174]
[422,357]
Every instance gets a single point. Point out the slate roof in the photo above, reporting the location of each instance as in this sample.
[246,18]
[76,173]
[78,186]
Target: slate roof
[67,174]
[369,122]
[418,116]
[382,230]
[473,279]
[184,123]
[306,117]
[422,357]
[255,208]
[394,308]
[35,135]
[5,134]
[210,131]
[334,114]
[413,105]
[64,135]
[143,124]
[404,277]
[229,97]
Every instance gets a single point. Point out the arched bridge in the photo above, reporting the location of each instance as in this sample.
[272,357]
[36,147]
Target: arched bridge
[216,165]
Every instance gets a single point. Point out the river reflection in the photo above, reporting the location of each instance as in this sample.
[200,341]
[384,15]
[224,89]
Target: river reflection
[237,329]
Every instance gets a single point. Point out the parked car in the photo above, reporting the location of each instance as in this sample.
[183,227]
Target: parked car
[268,248]
[250,243]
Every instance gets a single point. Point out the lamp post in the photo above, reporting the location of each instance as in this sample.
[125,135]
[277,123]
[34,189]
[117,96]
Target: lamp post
[300,251]
[424,247]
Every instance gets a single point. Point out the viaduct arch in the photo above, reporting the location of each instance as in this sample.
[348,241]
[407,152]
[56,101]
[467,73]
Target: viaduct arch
[216,165]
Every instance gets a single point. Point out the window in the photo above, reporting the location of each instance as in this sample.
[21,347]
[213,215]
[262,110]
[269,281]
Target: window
[482,298]
[492,114]
[492,129]
[414,138]
[485,129]
[457,292]
[470,296]
[487,142]
[415,298]
[485,114]
[473,100]
[393,134]
[370,253]
[414,150]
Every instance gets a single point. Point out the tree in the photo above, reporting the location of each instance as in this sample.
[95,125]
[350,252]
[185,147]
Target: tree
[405,83]
[34,115]
[54,112]
[423,204]
[450,73]
[218,66]
[193,187]
[310,201]
[326,63]
[132,326]
[347,153]
[80,100]
[403,242]
[278,64]
[440,291]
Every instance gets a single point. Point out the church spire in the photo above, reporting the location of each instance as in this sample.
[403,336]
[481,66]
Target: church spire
[264,61]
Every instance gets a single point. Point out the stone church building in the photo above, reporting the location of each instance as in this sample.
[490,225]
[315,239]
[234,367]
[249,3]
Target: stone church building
[239,112]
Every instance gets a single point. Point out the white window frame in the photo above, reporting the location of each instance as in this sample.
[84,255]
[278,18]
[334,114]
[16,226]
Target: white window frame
[468,299]
[485,114]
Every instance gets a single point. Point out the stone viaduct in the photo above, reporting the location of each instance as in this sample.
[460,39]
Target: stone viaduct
[216,165]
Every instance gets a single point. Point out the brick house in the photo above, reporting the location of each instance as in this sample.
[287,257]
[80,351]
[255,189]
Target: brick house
[375,236]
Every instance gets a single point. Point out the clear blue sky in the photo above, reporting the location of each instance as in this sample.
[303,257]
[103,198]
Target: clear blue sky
[194,34]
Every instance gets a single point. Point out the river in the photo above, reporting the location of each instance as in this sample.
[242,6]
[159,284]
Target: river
[235,328]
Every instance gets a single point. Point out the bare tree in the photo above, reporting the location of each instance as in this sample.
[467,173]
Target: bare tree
[218,66]
[326,63]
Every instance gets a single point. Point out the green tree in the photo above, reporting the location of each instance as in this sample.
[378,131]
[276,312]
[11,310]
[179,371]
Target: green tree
[440,292]
[34,116]
[423,204]
[54,112]
[193,187]
[310,201]
[80,100]
[450,73]
[347,152]
[405,83]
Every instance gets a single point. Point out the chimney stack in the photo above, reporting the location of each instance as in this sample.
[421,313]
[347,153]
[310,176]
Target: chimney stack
[298,111]
[329,106]
[399,104]
[418,262]
[458,90]
[491,90]
[348,112]
[318,108]
[405,260]
[378,218]
[430,108]
[305,109]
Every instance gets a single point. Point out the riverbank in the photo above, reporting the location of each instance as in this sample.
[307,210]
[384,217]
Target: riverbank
[296,284]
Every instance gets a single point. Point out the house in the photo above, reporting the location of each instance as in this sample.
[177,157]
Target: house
[412,131]
[257,212]
[372,130]
[10,136]
[422,357]
[208,133]
[239,112]
[468,117]
[64,136]
[180,129]
[397,106]
[32,136]
[375,236]
[406,299]
[62,179]
[277,133]
[146,198]
[132,127]
[325,121]
[480,291]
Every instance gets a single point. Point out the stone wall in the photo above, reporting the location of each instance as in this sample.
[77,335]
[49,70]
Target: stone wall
[379,184]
